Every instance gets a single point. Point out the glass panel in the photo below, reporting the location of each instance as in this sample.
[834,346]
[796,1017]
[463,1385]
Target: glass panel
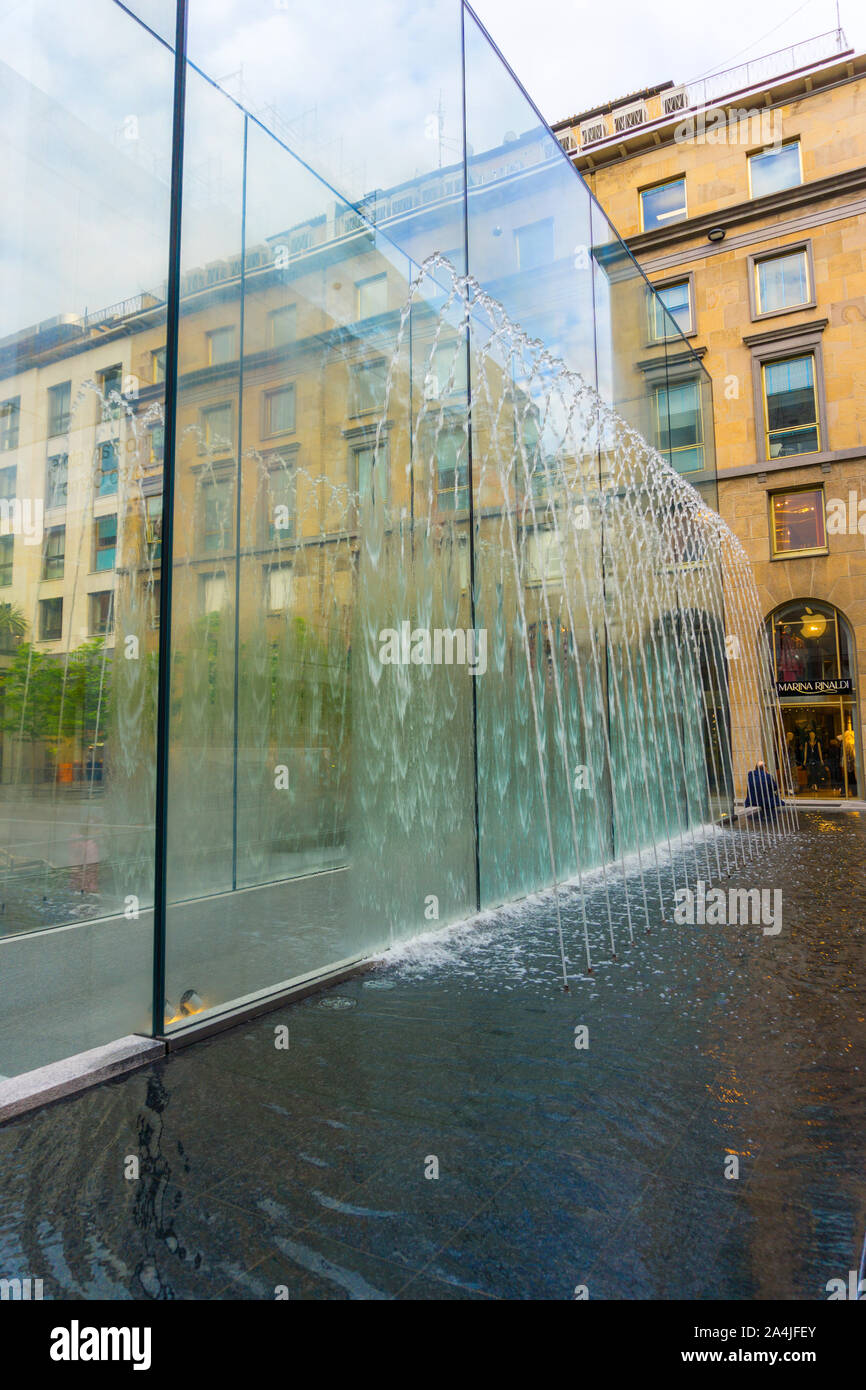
[338,113]
[783,282]
[287,722]
[676,299]
[532,248]
[680,428]
[361,566]
[772,170]
[87,159]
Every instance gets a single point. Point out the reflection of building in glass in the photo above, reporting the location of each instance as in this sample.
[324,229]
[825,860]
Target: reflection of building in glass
[352,452]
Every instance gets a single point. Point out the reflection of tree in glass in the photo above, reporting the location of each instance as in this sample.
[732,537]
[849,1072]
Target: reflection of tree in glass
[46,698]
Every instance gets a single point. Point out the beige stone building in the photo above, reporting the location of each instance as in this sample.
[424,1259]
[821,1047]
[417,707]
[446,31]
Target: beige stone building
[742,196]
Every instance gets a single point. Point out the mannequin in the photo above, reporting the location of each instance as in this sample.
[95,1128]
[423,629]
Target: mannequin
[849,752]
[813,761]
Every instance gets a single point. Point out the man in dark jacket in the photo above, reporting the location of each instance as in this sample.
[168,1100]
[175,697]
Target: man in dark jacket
[763,792]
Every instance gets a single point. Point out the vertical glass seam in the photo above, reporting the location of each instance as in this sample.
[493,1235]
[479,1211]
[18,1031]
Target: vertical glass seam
[163,709]
[471,522]
[238,484]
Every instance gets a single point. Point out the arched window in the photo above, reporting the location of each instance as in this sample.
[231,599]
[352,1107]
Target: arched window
[810,641]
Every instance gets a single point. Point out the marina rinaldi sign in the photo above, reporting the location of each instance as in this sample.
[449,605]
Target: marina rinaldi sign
[835,687]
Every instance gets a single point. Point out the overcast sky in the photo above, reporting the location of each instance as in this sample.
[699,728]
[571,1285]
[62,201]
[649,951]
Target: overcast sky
[575,54]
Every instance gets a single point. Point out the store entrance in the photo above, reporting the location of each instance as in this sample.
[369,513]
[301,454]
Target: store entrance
[820,753]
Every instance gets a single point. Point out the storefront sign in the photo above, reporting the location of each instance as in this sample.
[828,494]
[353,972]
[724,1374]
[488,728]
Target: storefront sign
[836,687]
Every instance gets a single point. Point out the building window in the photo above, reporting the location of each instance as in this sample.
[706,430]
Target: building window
[452,472]
[153,526]
[8,483]
[212,592]
[782,282]
[680,425]
[372,296]
[677,300]
[59,403]
[790,407]
[367,470]
[157,366]
[56,481]
[797,522]
[772,170]
[281,504]
[811,642]
[221,346]
[7,547]
[152,590]
[54,552]
[106,469]
[110,383]
[664,203]
[101,613]
[448,376]
[216,428]
[9,415]
[157,444]
[217,516]
[279,411]
[542,565]
[283,326]
[369,380]
[534,244]
[50,619]
[105,543]
[279,588]
[539,474]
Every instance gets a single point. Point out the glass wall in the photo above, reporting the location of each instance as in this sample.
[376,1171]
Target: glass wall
[373,455]
[88,145]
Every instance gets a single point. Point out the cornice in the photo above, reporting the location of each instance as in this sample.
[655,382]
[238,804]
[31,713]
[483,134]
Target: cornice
[851,181]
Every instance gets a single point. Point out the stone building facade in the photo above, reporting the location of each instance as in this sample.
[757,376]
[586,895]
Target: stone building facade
[743,199]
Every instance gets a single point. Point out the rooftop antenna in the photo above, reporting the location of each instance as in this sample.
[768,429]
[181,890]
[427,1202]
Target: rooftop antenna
[440,125]
[446,147]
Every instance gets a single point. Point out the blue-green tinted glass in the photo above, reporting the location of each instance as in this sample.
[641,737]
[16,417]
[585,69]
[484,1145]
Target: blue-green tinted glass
[792,420]
[676,300]
[86,120]
[681,426]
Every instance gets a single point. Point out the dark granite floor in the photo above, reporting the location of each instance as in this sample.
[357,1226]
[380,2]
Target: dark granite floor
[304,1168]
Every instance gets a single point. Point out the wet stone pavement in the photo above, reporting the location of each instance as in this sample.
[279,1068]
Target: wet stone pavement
[306,1170]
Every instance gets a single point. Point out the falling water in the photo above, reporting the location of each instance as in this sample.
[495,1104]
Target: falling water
[623,694]
[627,688]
